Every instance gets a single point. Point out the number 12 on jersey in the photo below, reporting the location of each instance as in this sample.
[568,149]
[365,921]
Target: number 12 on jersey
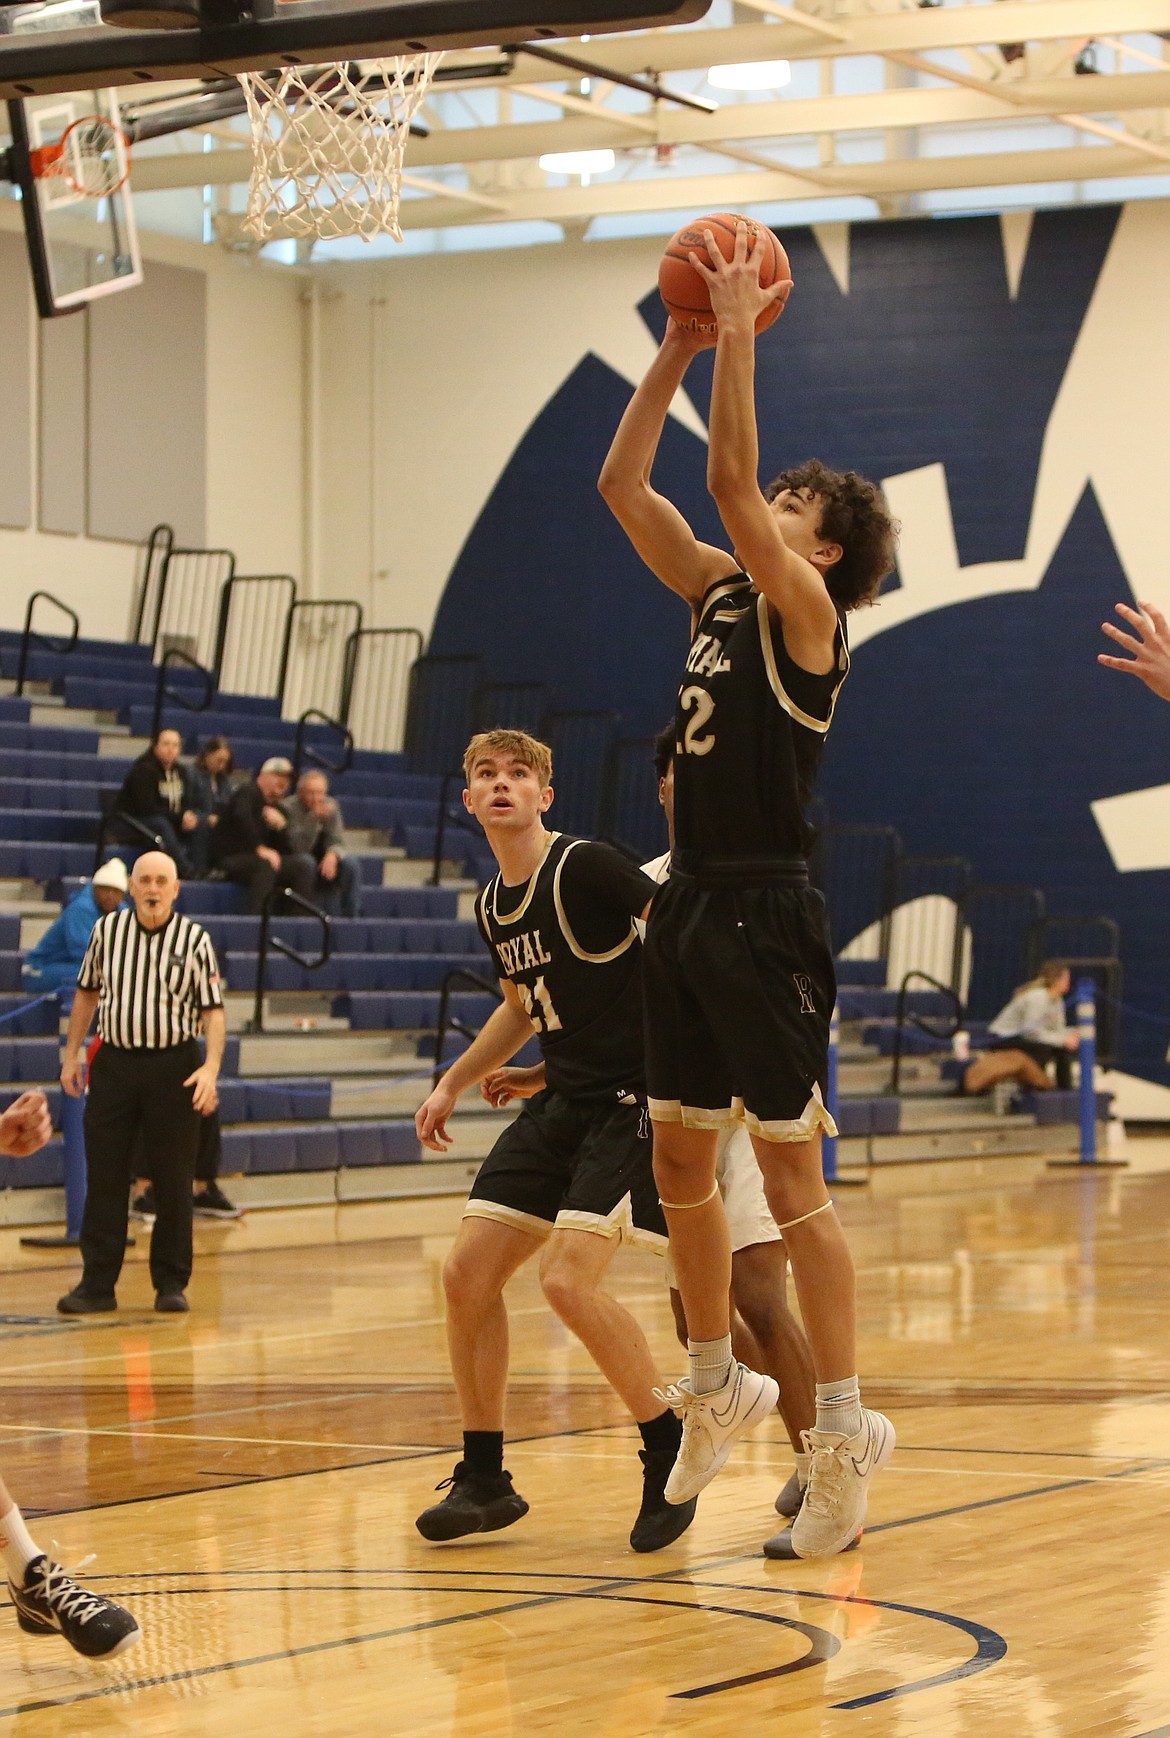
[703,705]
[538,1006]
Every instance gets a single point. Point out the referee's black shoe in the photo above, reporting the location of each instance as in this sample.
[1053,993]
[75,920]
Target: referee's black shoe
[659,1523]
[49,1602]
[171,1303]
[474,1503]
[80,1302]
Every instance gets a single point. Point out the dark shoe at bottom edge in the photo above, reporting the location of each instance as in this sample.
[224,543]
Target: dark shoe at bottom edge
[779,1547]
[80,1302]
[49,1602]
[474,1503]
[659,1523]
[171,1303]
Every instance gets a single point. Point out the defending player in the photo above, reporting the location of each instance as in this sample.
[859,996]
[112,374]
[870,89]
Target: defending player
[572,1176]
[739,977]
[765,1335]
[46,1600]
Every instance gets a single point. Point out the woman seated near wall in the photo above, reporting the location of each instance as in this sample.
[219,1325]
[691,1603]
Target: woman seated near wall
[213,779]
[157,791]
[1029,1036]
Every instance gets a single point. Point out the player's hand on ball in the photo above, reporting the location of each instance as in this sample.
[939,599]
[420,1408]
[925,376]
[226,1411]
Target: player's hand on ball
[505,1084]
[25,1126]
[430,1120]
[737,296]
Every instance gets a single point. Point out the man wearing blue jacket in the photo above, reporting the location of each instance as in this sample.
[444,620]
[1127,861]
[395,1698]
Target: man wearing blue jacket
[55,961]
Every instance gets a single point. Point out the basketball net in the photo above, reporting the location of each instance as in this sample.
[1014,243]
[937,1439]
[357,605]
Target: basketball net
[328,144]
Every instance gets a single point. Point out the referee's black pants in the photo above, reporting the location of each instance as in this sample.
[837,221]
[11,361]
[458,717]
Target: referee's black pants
[133,1092]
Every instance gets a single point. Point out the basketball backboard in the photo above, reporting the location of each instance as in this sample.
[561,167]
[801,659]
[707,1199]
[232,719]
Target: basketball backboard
[79,246]
[230,36]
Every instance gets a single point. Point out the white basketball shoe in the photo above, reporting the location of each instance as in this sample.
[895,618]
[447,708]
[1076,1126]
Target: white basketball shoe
[833,1512]
[712,1424]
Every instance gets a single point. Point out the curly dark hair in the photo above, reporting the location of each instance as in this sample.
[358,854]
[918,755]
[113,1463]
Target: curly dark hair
[664,749]
[855,515]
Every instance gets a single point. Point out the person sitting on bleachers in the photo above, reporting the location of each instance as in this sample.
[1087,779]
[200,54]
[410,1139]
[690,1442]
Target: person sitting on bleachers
[213,780]
[251,844]
[315,828]
[1028,1036]
[157,791]
[56,959]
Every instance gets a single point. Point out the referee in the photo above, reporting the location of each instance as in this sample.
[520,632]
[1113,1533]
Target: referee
[153,978]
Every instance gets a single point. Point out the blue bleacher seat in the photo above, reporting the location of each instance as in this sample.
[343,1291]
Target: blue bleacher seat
[318,1149]
[360,1143]
[43,1170]
[237,1151]
[272,1150]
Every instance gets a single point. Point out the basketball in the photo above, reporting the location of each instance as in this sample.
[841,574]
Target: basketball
[685,292]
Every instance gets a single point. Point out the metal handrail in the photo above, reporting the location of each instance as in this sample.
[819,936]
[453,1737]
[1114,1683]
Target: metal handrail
[305,753]
[225,607]
[174,554]
[296,610]
[162,692]
[162,537]
[124,820]
[28,636]
[904,1017]
[256,1024]
[436,876]
[445,1023]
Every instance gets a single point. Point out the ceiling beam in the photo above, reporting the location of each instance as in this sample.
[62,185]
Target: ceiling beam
[864,180]
[736,122]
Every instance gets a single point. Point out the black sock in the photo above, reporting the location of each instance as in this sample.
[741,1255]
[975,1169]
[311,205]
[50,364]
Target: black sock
[483,1451]
[661,1433]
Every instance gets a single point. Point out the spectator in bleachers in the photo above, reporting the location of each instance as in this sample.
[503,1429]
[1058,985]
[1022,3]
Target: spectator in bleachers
[157,791]
[251,844]
[56,959]
[315,829]
[212,782]
[1034,1022]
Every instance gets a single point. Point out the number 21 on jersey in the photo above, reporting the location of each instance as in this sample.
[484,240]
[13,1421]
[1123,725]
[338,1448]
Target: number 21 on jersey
[699,703]
[538,1006]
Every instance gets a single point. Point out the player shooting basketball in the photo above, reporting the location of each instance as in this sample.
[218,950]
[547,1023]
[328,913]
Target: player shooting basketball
[738,972]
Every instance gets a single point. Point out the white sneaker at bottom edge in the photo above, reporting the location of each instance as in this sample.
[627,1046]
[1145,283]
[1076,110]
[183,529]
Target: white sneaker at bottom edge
[712,1424]
[837,1495]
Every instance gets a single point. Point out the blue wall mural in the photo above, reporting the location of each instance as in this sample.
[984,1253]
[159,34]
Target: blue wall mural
[985,728]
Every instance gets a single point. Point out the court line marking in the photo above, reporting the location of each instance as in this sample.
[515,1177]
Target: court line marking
[990,1646]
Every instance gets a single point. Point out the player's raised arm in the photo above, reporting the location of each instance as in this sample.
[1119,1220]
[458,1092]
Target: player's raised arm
[653,524]
[791,583]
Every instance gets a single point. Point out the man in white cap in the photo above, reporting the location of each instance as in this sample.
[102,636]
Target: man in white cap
[252,845]
[56,959]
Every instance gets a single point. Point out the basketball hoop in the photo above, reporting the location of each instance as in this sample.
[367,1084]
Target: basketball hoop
[92,156]
[329,143]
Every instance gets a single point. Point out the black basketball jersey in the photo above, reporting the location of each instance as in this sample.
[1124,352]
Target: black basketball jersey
[566,939]
[749,732]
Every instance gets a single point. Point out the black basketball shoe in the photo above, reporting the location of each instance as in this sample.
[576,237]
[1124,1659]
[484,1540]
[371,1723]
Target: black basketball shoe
[51,1603]
[475,1503]
[659,1523]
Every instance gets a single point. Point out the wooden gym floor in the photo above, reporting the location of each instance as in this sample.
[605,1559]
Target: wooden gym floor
[248,1478]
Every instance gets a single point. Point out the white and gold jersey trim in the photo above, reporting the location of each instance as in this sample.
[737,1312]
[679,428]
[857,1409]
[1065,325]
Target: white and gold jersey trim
[820,725]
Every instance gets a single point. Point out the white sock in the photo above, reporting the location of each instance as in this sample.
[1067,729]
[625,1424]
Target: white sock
[17,1546]
[802,1461]
[839,1406]
[710,1364]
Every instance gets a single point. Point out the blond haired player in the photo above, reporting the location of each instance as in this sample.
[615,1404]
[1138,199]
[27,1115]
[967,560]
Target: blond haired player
[572,1176]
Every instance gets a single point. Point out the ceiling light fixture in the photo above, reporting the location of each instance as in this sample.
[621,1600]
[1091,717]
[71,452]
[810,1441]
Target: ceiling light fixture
[751,75]
[578,162]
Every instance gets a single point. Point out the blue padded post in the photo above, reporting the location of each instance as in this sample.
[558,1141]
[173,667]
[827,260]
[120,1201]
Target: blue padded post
[1087,1030]
[73,1135]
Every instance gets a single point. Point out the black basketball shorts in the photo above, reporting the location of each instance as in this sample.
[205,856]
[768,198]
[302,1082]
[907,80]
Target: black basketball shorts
[578,1164]
[739,991]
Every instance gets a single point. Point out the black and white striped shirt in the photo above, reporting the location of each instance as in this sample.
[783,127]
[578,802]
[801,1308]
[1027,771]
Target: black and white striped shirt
[153,984]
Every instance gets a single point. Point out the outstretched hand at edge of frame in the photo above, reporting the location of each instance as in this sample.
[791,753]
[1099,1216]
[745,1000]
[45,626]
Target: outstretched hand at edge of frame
[1150,660]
